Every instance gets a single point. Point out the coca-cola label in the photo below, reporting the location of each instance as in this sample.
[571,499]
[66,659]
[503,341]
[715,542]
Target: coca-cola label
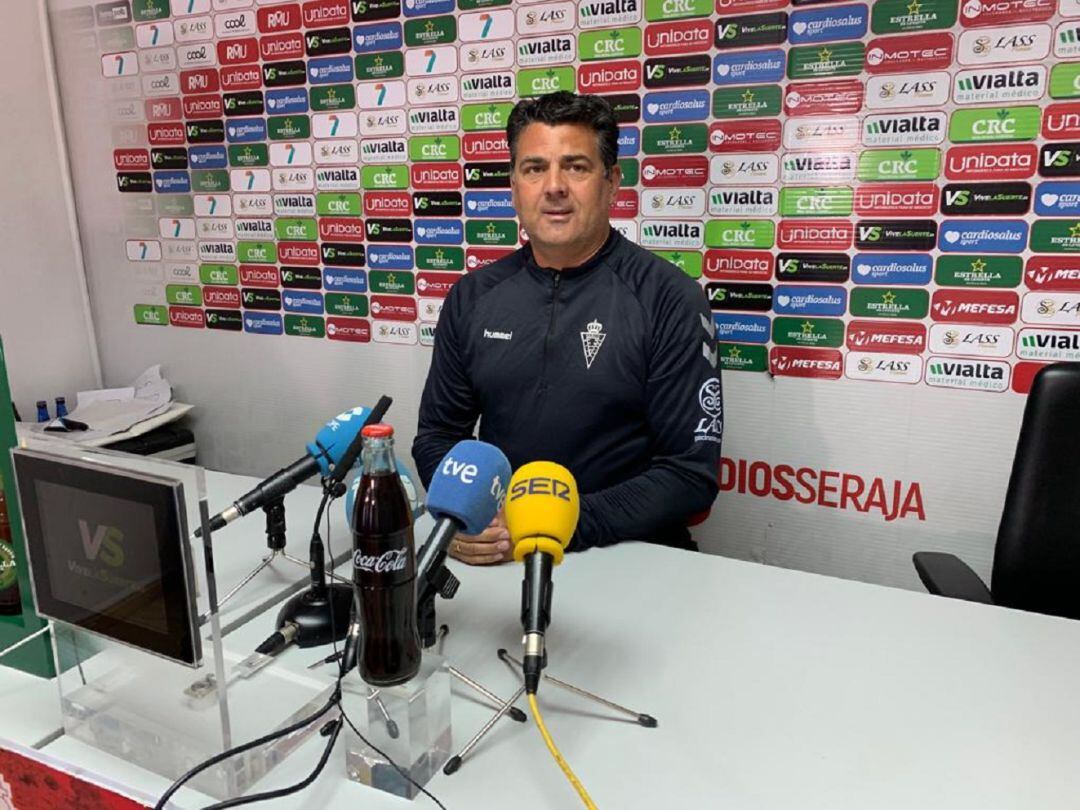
[391,561]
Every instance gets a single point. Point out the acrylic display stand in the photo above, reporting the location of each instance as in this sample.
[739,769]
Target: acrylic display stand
[410,723]
[163,715]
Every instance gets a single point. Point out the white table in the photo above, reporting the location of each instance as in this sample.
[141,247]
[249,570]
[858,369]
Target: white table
[774,690]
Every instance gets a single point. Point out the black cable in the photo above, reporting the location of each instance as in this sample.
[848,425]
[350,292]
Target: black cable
[267,738]
[286,791]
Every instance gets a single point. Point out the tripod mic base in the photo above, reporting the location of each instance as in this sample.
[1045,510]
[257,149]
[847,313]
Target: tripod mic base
[311,609]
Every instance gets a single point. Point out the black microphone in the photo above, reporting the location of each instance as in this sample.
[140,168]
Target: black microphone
[332,447]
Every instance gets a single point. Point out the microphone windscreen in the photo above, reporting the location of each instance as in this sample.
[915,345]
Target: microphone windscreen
[416,506]
[542,509]
[469,485]
[334,438]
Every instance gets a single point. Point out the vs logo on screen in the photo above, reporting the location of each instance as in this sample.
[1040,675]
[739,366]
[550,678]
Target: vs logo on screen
[104,542]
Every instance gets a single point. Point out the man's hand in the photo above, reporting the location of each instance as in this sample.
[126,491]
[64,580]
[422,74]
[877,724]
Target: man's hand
[491,546]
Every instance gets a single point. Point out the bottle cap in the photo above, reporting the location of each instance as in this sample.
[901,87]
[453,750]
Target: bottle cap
[380,430]
[42,403]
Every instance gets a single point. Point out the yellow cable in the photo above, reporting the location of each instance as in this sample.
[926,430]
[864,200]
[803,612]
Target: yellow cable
[580,788]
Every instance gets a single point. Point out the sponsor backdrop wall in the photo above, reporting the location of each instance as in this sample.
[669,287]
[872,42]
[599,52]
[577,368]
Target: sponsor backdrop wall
[880,200]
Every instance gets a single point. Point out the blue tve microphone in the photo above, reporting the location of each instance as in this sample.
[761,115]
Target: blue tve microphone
[466,492]
[331,445]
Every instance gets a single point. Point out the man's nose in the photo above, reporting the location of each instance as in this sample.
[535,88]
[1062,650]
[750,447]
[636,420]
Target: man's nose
[555,182]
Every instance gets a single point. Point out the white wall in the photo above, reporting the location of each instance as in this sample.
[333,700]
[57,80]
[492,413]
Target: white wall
[44,321]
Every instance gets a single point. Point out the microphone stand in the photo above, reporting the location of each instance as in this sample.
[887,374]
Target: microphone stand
[536,602]
[275,542]
[437,580]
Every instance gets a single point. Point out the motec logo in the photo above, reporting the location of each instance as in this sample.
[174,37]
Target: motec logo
[1004,12]
[840,97]
[758,135]
[919,52]
[666,172]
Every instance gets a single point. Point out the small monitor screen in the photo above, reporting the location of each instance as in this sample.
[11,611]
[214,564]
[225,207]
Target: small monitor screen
[109,552]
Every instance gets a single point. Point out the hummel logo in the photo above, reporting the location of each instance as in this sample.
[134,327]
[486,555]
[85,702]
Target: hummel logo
[497,335]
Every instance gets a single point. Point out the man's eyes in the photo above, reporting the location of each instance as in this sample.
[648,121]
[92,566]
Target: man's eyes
[575,168]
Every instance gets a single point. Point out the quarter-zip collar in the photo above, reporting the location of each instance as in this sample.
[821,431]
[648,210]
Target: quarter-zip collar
[545,274]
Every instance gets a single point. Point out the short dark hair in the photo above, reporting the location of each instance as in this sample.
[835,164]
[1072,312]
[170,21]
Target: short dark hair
[564,107]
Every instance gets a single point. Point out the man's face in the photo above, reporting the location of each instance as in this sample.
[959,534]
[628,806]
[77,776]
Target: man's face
[559,189]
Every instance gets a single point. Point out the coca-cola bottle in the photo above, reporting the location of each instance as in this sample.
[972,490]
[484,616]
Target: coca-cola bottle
[384,566]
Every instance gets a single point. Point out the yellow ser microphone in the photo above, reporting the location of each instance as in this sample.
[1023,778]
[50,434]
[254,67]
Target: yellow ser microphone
[542,508]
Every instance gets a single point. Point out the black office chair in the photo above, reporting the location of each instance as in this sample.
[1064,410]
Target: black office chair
[1037,556]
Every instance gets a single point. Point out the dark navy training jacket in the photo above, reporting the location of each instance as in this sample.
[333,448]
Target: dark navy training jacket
[608,369]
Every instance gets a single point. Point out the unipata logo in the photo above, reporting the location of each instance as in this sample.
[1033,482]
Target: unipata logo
[386,563]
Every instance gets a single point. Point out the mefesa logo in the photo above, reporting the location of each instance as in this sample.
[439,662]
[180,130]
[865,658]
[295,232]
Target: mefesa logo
[1002,162]
[816,98]
[688,36]
[815,234]
[621,76]
[919,52]
[1058,273]
[754,135]
[906,337]
[1001,12]
[797,361]
[664,172]
[975,306]
[897,199]
[1061,122]
[738,265]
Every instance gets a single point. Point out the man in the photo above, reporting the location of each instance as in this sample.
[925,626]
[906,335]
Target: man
[580,348]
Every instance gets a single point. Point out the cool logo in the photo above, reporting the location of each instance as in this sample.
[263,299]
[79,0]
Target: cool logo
[541,486]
